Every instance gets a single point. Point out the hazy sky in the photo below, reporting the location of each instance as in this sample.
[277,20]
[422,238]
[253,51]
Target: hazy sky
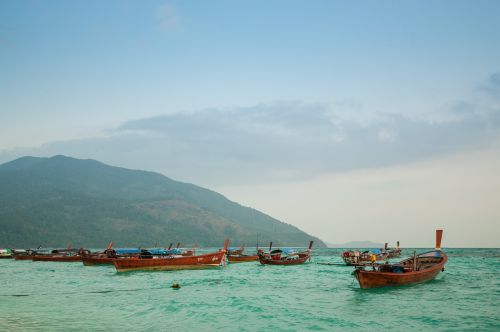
[353,120]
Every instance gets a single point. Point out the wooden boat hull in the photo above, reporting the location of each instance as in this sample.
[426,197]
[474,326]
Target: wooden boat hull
[373,279]
[23,257]
[6,257]
[274,257]
[394,254]
[242,259]
[41,258]
[269,261]
[90,261]
[205,261]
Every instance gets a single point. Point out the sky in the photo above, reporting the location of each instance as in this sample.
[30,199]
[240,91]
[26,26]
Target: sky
[352,120]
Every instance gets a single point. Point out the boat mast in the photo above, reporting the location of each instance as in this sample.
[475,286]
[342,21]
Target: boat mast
[439,235]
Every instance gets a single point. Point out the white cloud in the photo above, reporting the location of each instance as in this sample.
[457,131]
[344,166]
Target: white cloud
[283,141]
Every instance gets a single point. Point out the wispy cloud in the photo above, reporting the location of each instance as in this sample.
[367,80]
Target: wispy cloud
[167,17]
[491,87]
[285,140]
[311,138]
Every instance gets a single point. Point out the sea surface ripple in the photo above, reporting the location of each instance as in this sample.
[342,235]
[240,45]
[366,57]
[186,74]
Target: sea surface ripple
[51,296]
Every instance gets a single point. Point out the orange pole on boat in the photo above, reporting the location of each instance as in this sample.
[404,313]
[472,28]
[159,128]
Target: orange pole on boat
[110,245]
[414,261]
[226,244]
[439,235]
[310,244]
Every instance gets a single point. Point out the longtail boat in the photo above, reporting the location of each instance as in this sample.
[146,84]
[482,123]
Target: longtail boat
[5,253]
[107,256]
[61,255]
[21,254]
[359,258]
[284,257]
[393,252]
[175,262]
[236,251]
[419,268]
[237,256]
[98,258]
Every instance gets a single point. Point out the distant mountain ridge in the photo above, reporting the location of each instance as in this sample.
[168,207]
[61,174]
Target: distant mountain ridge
[60,200]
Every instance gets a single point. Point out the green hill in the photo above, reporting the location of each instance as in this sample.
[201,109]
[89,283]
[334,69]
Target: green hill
[60,200]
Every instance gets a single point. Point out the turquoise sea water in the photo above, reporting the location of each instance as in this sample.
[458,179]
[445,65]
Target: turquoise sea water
[52,296]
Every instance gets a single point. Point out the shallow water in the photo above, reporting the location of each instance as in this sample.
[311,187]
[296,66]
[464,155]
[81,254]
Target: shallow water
[54,296]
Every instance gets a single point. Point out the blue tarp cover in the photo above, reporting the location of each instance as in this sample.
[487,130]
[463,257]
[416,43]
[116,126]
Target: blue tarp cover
[122,251]
[160,251]
[175,251]
[436,253]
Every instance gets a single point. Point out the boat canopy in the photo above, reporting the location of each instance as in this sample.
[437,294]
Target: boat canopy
[160,251]
[123,251]
[41,251]
[175,251]
[57,251]
[435,253]
[286,251]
